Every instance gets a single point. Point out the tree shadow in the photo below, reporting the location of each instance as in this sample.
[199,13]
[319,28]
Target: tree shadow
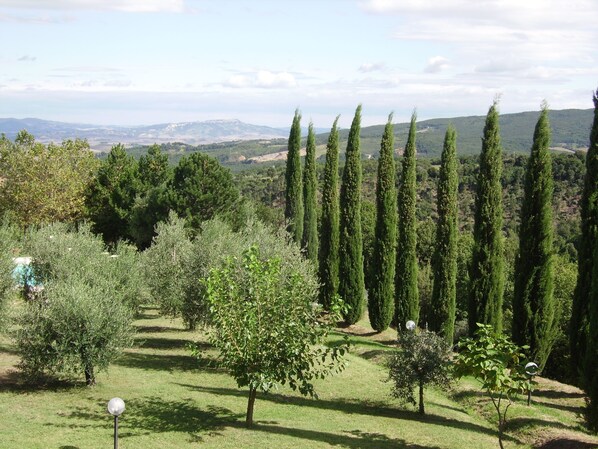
[149,415]
[156,329]
[518,423]
[353,439]
[162,343]
[166,362]
[353,407]
[68,447]
[567,443]
[553,394]
[576,409]
[14,381]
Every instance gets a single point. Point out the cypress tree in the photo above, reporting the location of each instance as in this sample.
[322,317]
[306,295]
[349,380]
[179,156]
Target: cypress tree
[590,362]
[533,302]
[293,193]
[381,293]
[329,229]
[487,278]
[406,293]
[310,189]
[351,278]
[444,291]
[587,245]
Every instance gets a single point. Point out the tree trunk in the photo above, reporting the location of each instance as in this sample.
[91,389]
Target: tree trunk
[90,378]
[250,402]
[421,398]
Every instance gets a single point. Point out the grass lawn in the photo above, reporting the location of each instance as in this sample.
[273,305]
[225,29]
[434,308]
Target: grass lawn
[175,401]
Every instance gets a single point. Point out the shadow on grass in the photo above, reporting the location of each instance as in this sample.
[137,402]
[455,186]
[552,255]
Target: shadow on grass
[354,439]
[552,394]
[166,362]
[576,409]
[150,415]
[353,407]
[68,447]
[157,329]
[6,349]
[15,382]
[161,343]
[567,443]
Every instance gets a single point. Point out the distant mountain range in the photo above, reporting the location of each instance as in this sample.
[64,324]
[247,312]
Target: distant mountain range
[102,137]
[234,142]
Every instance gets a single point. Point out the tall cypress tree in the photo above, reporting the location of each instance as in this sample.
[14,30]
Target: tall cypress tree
[381,293]
[329,228]
[487,278]
[444,292]
[351,278]
[293,193]
[310,190]
[588,242]
[533,302]
[406,293]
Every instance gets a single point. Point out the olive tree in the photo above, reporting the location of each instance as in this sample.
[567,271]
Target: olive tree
[81,321]
[268,326]
[423,359]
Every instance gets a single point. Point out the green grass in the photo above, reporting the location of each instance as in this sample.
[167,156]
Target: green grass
[176,401]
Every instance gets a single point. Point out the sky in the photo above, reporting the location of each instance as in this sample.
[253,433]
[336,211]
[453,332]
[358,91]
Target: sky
[136,62]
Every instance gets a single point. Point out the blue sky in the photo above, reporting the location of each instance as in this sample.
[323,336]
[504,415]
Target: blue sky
[132,62]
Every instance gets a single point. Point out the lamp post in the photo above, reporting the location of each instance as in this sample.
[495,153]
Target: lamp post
[531,369]
[115,407]
[410,325]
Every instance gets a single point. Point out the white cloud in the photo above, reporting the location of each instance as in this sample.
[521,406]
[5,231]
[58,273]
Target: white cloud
[99,5]
[263,79]
[436,64]
[27,58]
[372,67]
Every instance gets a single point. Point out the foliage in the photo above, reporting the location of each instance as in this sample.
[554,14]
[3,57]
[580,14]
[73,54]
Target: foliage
[166,264]
[351,275]
[112,195]
[329,225]
[8,244]
[423,359]
[533,302]
[81,321]
[406,293]
[310,193]
[293,193]
[201,188]
[43,184]
[498,364]
[578,331]
[444,293]
[267,326]
[381,290]
[487,268]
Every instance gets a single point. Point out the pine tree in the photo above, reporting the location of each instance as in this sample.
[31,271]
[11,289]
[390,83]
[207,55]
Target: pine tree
[533,302]
[578,331]
[351,278]
[310,190]
[381,293]
[329,228]
[293,193]
[444,292]
[487,278]
[406,293]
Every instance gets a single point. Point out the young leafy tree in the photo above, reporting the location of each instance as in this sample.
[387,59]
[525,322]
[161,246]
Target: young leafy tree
[533,302]
[444,291]
[329,229]
[267,326]
[82,321]
[422,359]
[310,193]
[578,331]
[112,195]
[487,268]
[381,292]
[406,293]
[293,192]
[498,364]
[351,276]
